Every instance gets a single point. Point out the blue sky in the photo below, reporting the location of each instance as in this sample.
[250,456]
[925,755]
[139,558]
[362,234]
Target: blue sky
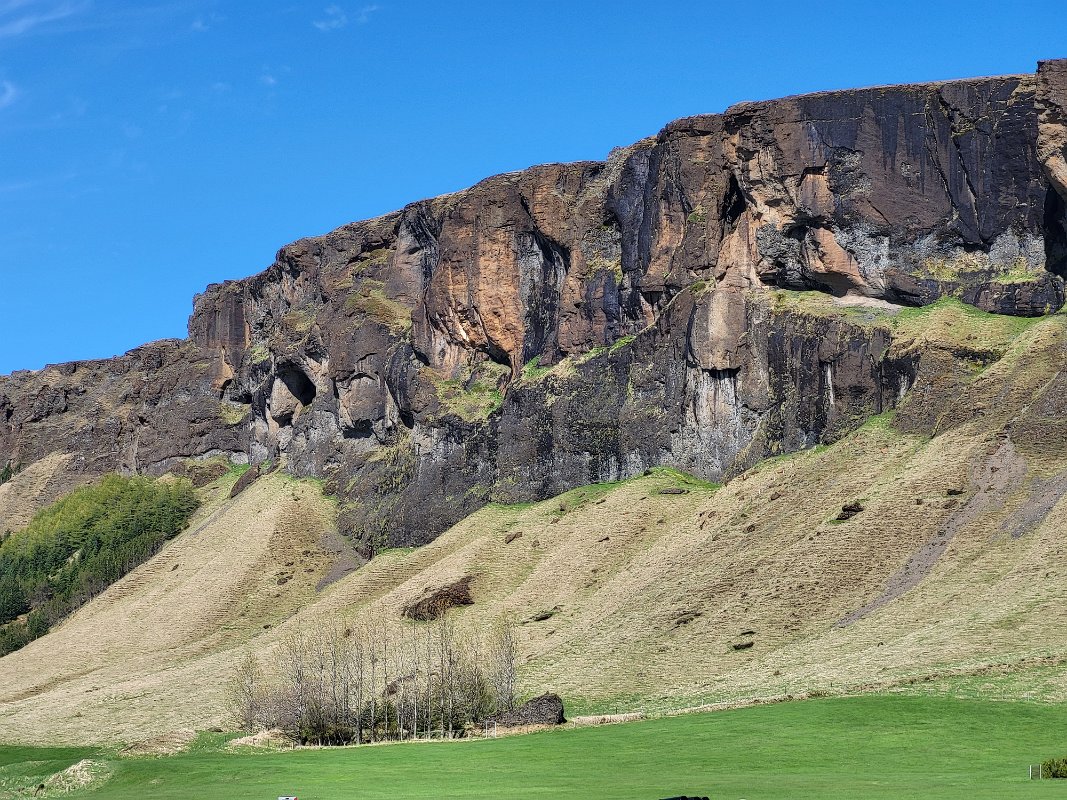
[148,149]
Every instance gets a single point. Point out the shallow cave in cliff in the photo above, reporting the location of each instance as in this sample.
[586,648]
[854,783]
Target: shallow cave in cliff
[733,205]
[1055,233]
[298,383]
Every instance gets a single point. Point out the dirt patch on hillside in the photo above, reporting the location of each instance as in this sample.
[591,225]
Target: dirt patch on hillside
[1044,496]
[346,558]
[435,603]
[201,473]
[995,479]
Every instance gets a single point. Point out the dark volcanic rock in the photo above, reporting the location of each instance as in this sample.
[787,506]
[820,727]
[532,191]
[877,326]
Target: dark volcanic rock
[435,603]
[584,322]
[247,479]
[848,511]
[544,710]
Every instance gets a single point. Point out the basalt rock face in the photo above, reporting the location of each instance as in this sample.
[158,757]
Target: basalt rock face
[584,322]
[144,411]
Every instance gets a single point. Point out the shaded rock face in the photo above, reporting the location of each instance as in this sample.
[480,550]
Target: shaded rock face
[1052,152]
[577,323]
[144,411]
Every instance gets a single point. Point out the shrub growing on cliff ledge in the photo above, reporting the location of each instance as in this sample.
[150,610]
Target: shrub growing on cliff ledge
[81,544]
[9,471]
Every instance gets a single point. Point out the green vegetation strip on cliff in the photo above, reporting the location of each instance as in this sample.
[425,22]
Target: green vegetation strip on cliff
[876,747]
[79,545]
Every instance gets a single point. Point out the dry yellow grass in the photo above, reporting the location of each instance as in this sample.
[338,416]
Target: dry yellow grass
[34,487]
[151,653]
[648,592]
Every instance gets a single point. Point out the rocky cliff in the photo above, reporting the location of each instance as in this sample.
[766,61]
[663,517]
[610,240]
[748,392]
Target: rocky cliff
[577,323]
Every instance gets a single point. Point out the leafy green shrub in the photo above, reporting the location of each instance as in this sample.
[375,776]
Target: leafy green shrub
[80,545]
[1054,768]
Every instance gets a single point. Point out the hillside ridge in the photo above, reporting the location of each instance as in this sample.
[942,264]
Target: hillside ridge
[632,595]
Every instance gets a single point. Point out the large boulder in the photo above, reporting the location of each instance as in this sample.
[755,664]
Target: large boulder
[544,710]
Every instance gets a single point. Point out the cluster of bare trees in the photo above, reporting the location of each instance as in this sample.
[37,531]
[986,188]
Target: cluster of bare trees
[366,684]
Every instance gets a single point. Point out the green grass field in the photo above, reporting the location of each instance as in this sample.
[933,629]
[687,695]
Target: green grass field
[865,747]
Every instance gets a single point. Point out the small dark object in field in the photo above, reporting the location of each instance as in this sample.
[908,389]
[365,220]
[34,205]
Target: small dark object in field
[954,492]
[543,615]
[849,510]
[175,567]
[673,490]
[685,617]
[511,537]
[742,645]
[606,538]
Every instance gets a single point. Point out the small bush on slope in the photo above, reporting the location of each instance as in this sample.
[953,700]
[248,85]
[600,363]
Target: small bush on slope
[81,544]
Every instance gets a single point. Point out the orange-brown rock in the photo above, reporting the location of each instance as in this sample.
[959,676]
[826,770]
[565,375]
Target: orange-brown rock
[404,358]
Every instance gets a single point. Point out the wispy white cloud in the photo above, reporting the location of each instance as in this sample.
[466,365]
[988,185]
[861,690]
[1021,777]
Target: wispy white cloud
[9,93]
[336,19]
[20,17]
[270,75]
[364,14]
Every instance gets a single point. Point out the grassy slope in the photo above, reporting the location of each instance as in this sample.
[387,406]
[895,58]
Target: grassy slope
[149,655]
[33,488]
[622,565]
[871,747]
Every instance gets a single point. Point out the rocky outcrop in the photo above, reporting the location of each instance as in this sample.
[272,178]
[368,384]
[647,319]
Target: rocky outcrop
[436,603]
[583,322]
[144,411]
[544,710]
